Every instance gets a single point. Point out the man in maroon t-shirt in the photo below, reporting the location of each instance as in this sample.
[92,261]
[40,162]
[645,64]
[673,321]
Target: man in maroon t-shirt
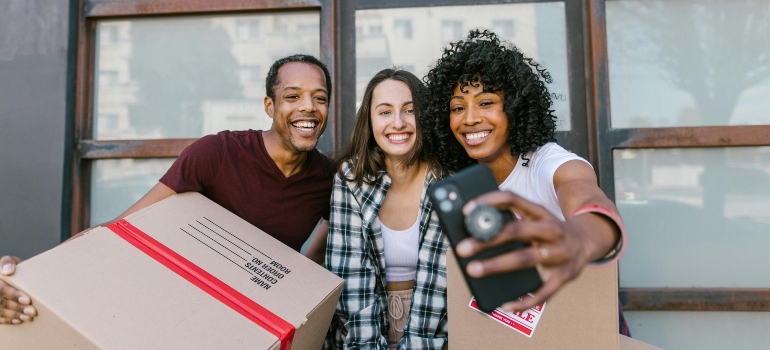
[274,179]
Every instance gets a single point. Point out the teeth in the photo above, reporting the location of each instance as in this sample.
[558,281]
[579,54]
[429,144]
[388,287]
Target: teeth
[304,124]
[476,135]
[398,137]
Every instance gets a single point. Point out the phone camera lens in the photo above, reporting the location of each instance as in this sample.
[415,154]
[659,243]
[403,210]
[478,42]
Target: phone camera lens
[484,222]
[446,206]
[440,193]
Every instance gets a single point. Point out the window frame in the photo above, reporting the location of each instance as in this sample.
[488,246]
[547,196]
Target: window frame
[591,135]
[576,139]
[609,139]
[87,149]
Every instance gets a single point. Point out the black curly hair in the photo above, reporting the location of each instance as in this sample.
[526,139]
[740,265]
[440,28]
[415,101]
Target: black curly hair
[498,66]
[272,79]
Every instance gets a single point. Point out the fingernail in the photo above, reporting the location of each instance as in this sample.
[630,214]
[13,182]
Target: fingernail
[24,318]
[464,248]
[475,269]
[468,208]
[508,307]
[29,310]
[15,321]
[7,269]
[24,300]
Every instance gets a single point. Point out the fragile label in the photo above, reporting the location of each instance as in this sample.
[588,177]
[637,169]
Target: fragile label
[523,322]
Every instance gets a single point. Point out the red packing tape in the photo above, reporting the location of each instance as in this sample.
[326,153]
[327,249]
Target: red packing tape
[206,282]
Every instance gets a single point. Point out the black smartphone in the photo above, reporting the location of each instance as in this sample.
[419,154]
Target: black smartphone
[448,197]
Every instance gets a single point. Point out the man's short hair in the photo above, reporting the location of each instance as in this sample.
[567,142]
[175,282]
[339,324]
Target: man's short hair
[272,74]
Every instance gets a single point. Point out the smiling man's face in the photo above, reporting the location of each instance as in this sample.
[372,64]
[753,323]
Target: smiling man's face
[301,105]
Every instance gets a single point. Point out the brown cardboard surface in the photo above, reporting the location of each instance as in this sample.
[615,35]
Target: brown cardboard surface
[627,343]
[583,315]
[100,291]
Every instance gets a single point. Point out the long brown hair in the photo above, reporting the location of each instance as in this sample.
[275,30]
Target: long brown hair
[367,160]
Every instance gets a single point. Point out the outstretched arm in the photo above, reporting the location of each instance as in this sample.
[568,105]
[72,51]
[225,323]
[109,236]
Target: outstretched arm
[561,249]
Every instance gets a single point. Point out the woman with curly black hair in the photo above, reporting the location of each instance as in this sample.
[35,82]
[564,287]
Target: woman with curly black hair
[486,102]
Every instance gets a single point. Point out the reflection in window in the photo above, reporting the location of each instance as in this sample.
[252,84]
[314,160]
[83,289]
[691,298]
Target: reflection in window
[249,75]
[688,62]
[451,30]
[280,27]
[702,330]
[503,27]
[108,35]
[108,78]
[403,28]
[108,122]
[185,77]
[116,184]
[687,206]
[248,28]
[538,29]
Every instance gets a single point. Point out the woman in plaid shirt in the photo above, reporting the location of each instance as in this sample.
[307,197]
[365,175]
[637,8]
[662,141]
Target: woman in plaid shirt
[383,239]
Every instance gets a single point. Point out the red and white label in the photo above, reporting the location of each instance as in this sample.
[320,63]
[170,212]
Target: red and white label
[523,322]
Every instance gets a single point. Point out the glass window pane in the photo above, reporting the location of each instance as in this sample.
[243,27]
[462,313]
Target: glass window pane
[185,77]
[688,62]
[696,217]
[412,39]
[116,184]
[702,330]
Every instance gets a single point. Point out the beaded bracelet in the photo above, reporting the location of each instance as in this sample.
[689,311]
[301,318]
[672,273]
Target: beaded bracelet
[615,254]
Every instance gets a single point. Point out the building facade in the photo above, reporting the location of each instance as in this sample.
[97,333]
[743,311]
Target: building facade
[668,99]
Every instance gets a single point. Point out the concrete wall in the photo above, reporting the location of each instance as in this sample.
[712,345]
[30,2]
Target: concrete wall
[33,123]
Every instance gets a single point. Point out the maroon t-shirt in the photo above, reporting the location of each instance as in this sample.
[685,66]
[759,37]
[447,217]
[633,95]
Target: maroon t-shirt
[233,169]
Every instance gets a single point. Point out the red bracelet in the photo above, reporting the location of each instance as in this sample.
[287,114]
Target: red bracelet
[615,254]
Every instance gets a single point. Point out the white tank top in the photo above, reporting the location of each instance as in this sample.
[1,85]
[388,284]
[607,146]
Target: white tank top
[401,250]
[534,181]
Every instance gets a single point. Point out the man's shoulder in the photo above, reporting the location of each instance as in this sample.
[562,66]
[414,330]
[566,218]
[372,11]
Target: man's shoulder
[238,136]
[227,136]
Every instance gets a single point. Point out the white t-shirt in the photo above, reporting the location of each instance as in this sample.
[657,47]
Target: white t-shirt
[534,181]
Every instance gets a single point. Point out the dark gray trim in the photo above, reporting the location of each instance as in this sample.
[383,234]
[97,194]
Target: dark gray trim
[327,55]
[576,139]
[346,26]
[69,124]
[384,4]
[599,72]
[695,299]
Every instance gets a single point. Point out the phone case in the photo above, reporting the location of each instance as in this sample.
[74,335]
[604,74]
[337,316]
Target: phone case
[448,197]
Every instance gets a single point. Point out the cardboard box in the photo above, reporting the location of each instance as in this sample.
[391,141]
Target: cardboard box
[582,315]
[101,291]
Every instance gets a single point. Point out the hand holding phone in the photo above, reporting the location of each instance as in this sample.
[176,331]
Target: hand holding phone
[448,198]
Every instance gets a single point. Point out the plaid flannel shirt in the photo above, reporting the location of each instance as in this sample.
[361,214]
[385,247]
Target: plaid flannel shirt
[355,252]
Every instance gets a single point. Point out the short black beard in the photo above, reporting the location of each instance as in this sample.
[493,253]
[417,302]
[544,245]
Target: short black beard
[294,146]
